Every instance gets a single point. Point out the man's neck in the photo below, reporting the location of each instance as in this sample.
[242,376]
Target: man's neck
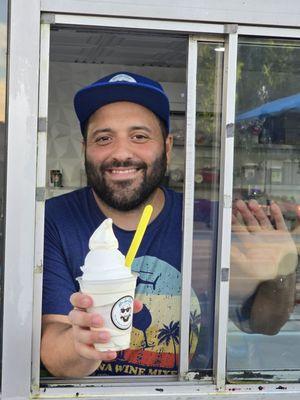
[128,220]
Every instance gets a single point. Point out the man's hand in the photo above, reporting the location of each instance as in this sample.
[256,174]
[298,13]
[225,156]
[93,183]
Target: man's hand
[67,341]
[82,325]
[261,250]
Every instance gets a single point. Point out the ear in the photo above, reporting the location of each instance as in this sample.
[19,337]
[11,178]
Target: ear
[169,145]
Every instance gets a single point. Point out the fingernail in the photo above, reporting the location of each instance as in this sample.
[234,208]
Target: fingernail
[85,302]
[96,320]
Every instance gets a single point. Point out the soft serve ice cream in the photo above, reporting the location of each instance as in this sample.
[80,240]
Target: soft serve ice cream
[104,261]
[111,285]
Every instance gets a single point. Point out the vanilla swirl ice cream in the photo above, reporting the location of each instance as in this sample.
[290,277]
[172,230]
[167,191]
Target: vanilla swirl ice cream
[111,285]
[104,261]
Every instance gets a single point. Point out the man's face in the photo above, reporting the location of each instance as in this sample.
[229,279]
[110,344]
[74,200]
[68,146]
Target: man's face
[125,154]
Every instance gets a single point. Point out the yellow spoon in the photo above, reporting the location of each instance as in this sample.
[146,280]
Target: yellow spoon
[138,236]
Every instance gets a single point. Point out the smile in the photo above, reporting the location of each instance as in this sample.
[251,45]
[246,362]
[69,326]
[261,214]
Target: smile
[124,171]
[120,174]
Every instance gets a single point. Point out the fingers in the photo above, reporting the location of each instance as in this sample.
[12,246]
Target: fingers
[249,219]
[80,300]
[278,217]
[88,328]
[236,226]
[260,215]
[89,352]
[85,327]
[86,334]
[83,319]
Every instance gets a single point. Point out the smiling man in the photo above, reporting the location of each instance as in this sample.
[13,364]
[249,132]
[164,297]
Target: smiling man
[124,120]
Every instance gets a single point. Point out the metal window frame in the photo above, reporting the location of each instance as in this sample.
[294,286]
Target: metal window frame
[22,106]
[48,19]
[19,279]
[40,204]
[225,202]
[188,208]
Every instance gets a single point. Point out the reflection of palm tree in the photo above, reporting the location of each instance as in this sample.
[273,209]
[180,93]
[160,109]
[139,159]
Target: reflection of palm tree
[195,320]
[141,321]
[168,333]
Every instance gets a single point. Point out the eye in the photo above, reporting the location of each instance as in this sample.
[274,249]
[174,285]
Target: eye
[140,137]
[102,140]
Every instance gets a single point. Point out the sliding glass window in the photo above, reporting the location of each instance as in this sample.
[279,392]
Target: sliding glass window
[264,291]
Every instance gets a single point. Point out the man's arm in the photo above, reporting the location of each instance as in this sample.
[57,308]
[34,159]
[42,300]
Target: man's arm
[272,305]
[67,341]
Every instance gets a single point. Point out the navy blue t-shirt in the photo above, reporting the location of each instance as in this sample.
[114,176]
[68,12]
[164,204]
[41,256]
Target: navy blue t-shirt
[69,222]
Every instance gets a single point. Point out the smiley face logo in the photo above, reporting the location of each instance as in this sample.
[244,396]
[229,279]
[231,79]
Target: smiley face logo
[121,312]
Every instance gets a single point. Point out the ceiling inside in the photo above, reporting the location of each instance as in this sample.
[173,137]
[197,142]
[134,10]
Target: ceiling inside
[96,46]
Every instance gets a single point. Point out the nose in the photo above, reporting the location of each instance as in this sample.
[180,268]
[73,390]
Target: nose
[122,149]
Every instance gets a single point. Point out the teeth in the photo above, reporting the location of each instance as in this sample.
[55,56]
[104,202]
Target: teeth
[126,171]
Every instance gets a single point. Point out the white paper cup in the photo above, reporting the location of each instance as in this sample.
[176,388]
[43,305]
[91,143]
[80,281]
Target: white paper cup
[113,300]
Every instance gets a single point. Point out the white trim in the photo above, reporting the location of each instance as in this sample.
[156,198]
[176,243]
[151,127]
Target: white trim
[40,207]
[188,208]
[225,201]
[141,23]
[20,203]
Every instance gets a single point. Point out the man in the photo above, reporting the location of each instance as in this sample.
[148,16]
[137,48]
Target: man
[124,120]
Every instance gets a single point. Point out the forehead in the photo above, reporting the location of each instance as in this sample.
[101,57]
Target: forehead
[123,110]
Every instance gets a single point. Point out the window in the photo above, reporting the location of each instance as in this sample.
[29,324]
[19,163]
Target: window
[266,169]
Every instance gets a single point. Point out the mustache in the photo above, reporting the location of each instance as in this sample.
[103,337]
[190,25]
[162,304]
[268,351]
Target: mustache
[124,164]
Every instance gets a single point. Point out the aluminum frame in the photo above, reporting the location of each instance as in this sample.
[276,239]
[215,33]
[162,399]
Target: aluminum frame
[20,202]
[188,208]
[128,23]
[22,108]
[40,204]
[225,202]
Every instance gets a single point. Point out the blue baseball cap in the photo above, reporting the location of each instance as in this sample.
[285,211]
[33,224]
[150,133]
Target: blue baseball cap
[122,86]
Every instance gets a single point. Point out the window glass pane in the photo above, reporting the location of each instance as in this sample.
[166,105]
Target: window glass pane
[3,50]
[264,290]
[208,117]
[79,57]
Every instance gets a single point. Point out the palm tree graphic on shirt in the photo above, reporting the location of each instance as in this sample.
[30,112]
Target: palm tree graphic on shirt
[168,334]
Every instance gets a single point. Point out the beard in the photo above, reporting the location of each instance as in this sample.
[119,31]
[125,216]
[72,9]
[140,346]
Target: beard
[121,195]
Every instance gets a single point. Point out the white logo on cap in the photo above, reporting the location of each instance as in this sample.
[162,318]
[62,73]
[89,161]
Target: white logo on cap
[122,77]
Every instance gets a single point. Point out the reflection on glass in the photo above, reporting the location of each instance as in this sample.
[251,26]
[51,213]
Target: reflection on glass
[209,93]
[3,45]
[265,238]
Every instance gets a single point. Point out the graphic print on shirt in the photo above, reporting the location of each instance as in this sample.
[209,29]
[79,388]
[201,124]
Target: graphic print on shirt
[154,346]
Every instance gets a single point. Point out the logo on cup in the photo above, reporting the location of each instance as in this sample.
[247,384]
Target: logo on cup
[121,312]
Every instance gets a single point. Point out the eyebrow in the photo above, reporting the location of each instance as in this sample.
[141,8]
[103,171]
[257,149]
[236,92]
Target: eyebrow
[109,130]
[140,127]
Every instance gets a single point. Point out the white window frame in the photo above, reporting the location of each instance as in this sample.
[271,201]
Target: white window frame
[25,186]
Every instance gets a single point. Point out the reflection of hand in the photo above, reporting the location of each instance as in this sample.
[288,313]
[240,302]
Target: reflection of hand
[84,337]
[259,252]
